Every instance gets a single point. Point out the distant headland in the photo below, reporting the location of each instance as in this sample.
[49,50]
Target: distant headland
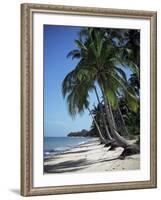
[82,133]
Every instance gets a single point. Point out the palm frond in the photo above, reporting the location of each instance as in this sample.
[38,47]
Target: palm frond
[74,54]
[121,72]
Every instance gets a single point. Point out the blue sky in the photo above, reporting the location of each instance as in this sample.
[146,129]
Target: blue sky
[58,42]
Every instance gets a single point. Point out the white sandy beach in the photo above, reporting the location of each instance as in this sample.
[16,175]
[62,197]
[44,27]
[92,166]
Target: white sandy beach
[90,157]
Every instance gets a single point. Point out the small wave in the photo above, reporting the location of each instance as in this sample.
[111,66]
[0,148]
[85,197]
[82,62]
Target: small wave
[47,153]
[59,149]
[82,142]
[56,151]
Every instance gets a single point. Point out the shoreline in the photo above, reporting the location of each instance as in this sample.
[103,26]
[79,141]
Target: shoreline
[53,152]
[90,157]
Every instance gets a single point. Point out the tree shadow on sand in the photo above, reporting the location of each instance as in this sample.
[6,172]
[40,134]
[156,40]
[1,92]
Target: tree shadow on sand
[66,166]
[71,166]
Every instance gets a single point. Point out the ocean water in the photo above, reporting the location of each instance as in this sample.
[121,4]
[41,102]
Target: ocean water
[57,145]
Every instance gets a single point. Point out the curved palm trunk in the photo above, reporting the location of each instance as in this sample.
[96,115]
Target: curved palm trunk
[98,128]
[129,149]
[113,119]
[123,121]
[103,117]
[111,115]
[122,142]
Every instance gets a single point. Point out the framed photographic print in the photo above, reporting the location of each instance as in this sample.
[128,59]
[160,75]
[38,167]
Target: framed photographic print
[88,99]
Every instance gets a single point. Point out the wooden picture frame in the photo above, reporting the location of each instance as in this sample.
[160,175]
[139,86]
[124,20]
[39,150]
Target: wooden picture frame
[27,123]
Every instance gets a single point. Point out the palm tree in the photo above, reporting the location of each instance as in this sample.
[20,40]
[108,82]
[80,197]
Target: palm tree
[132,119]
[98,62]
[101,110]
[96,123]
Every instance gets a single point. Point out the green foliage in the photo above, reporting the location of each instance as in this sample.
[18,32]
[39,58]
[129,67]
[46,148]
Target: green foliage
[132,102]
[132,119]
[101,52]
[111,95]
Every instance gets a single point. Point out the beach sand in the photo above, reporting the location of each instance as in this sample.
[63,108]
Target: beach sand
[90,157]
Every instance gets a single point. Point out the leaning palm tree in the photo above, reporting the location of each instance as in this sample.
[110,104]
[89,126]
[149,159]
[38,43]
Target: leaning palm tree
[102,113]
[99,116]
[101,135]
[98,63]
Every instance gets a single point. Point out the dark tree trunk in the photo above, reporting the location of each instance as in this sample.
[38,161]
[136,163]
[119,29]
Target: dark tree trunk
[119,140]
[111,115]
[123,122]
[130,150]
[103,116]
[98,128]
